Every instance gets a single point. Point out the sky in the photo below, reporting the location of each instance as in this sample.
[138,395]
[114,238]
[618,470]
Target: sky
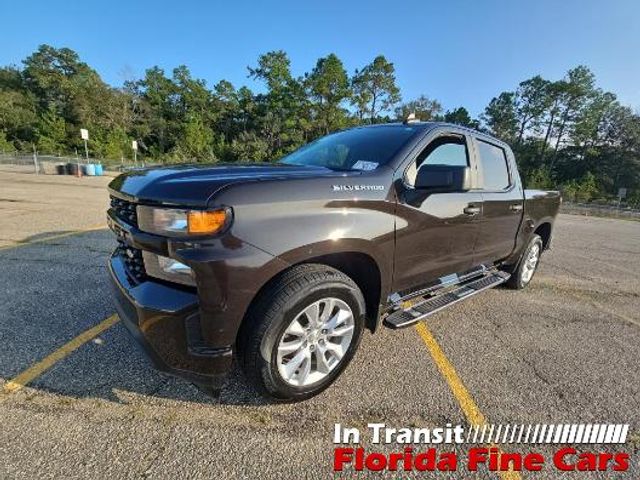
[461,53]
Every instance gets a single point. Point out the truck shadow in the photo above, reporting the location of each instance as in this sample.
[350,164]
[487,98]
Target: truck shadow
[54,291]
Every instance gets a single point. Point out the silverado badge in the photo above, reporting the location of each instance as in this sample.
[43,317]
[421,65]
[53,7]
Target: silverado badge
[357,188]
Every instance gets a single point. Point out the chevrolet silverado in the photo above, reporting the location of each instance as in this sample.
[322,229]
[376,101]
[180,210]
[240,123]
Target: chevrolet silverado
[283,265]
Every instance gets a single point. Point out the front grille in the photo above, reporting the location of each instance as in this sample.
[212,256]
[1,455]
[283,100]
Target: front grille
[125,210]
[132,258]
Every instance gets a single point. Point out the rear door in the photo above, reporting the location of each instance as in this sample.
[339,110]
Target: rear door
[435,232]
[502,201]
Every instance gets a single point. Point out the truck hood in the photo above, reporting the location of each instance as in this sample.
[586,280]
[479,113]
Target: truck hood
[193,185]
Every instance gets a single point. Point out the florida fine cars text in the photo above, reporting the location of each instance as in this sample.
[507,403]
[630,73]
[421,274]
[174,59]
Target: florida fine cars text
[487,456]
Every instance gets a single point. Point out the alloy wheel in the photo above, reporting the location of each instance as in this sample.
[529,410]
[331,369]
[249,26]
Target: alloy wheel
[315,342]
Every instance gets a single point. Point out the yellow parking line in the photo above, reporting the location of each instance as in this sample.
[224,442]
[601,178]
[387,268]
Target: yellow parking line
[43,365]
[54,237]
[464,398]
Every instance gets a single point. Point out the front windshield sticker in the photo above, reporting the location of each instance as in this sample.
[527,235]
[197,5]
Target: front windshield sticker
[364,165]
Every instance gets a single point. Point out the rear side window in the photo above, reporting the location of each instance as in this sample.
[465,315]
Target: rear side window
[495,172]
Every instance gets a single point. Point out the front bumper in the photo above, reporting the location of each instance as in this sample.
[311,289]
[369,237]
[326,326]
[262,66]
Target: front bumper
[165,321]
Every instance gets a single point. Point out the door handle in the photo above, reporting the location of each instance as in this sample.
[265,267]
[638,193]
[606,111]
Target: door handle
[471,210]
[516,207]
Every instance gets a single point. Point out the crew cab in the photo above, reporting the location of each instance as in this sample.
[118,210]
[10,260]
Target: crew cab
[283,265]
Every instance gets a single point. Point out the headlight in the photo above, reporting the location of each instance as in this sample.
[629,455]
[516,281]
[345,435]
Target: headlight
[181,223]
[166,268]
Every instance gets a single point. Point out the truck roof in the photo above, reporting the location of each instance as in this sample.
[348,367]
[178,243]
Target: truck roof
[424,126]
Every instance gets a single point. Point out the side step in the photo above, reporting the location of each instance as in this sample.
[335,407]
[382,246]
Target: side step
[420,310]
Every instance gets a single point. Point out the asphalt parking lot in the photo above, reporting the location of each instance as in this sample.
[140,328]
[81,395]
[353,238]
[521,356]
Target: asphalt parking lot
[566,350]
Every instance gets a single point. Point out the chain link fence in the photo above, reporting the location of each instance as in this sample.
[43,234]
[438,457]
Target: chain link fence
[48,164]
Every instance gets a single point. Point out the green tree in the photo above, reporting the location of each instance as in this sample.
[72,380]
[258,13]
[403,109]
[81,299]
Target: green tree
[582,190]
[374,89]
[158,111]
[59,81]
[5,145]
[51,133]
[423,107]
[531,101]
[196,142]
[594,125]
[577,88]
[539,178]
[226,109]
[191,95]
[500,116]
[250,147]
[117,145]
[53,76]
[554,93]
[247,109]
[18,108]
[283,112]
[328,85]
[460,116]
[274,68]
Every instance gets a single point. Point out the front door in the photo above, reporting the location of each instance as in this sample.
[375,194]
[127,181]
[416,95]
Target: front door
[435,232]
[502,200]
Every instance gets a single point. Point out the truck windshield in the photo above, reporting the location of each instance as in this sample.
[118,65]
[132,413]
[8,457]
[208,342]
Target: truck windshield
[355,149]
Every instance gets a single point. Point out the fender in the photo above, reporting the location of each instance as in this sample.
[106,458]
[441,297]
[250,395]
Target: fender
[297,221]
[300,222]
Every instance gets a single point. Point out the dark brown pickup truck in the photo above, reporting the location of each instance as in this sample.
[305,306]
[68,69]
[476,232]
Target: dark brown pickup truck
[283,265]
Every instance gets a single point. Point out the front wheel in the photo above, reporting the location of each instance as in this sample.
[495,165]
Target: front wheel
[528,265]
[302,333]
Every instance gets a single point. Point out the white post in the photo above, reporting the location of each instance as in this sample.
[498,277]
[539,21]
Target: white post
[35,159]
[84,134]
[134,147]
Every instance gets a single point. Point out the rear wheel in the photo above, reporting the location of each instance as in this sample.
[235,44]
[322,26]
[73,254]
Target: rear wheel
[522,275]
[302,332]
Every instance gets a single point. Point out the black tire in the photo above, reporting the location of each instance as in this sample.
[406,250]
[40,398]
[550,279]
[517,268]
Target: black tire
[278,305]
[518,279]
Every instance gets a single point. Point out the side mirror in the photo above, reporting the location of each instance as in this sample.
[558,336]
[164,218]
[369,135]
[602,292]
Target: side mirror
[444,178]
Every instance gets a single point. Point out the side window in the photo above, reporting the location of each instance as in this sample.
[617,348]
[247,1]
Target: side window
[495,172]
[447,150]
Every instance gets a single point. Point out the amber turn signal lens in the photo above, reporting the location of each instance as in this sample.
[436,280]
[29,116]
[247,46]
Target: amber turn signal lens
[206,222]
